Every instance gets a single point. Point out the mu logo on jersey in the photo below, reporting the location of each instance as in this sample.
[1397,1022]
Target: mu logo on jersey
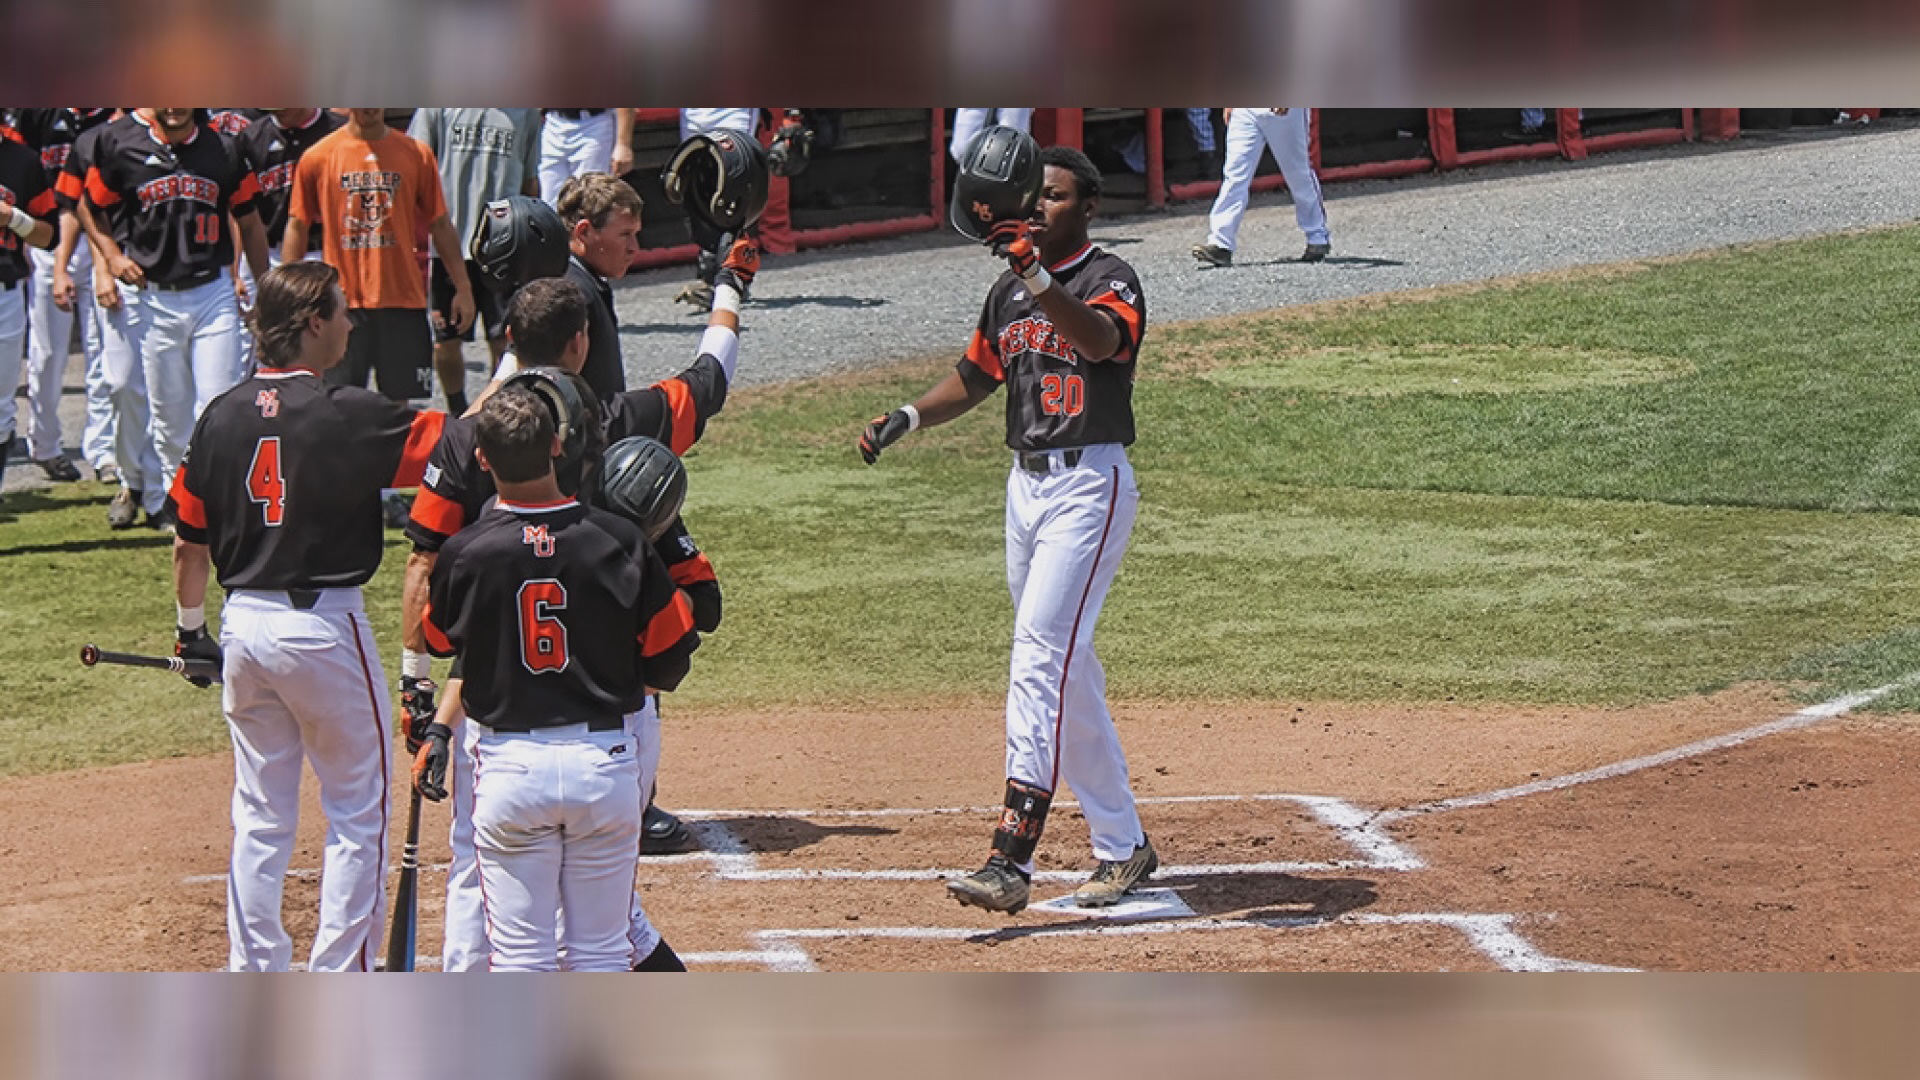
[268,402]
[178,186]
[539,539]
[1038,336]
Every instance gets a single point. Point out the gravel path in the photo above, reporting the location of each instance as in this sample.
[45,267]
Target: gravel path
[855,308]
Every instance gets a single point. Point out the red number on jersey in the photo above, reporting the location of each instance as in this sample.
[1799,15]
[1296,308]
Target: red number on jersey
[543,638]
[1060,394]
[265,485]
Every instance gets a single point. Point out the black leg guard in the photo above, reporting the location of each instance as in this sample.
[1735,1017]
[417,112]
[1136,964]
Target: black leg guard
[662,958]
[1022,821]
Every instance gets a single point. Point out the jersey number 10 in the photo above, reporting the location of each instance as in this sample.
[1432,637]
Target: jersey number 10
[1062,394]
[206,229]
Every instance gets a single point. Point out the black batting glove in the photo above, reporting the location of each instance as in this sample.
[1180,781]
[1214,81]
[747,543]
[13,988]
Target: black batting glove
[430,762]
[416,709]
[883,432]
[197,644]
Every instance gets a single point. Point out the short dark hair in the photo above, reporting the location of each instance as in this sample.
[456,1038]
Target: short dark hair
[515,430]
[285,297]
[542,317]
[1086,177]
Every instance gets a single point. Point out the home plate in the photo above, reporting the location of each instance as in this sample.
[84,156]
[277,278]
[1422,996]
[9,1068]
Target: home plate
[1139,904]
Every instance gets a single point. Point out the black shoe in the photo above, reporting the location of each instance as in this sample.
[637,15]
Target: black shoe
[1212,255]
[997,886]
[59,470]
[662,958]
[162,520]
[1316,252]
[663,834]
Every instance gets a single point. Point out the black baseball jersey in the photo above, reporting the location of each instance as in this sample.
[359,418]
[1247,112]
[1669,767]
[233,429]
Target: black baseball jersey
[22,184]
[674,410]
[283,476]
[53,132]
[167,205]
[270,152]
[561,614]
[1054,398]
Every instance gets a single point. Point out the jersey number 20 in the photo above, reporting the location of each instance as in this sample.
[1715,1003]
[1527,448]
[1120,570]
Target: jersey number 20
[265,485]
[1062,394]
[543,638]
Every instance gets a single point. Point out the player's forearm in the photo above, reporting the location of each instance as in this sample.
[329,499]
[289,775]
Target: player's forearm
[192,566]
[413,600]
[1092,335]
[69,238]
[253,241]
[446,244]
[293,245]
[950,397]
[104,247]
[623,130]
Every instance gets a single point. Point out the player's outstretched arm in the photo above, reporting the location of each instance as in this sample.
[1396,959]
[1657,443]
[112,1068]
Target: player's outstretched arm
[949,398]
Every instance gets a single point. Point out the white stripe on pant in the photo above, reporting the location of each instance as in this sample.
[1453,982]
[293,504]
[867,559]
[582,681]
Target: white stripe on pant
[305,684]
[1066,532]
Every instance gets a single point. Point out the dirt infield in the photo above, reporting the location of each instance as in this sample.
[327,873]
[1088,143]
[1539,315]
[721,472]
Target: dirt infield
[1284,834]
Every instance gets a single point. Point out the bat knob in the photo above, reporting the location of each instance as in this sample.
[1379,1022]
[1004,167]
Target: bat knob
[89,655]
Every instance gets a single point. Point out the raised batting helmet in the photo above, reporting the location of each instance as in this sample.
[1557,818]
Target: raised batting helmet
[721,178]
[644,482]
[517,239]
[999,180]
[576,417]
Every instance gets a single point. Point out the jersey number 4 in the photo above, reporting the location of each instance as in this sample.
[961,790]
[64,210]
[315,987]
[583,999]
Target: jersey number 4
[265,485]
[543,638]
[1062,394]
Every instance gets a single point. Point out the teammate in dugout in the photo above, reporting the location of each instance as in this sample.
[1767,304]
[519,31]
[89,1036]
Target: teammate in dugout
[1062,330]
[280,496]
[567,621]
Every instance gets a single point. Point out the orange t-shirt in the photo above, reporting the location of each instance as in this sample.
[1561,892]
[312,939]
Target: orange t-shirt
[372,201]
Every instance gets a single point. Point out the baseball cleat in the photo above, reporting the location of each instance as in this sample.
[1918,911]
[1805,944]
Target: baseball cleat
[998,886]
[106,473]
[661,833]
[124,511]
[1113,880]
[59,470]
[162,520]
[1316,252]
[1213,255]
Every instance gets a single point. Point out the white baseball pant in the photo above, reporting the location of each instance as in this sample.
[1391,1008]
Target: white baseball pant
[1248,132]
[122,330]
[190,348]
[571,147]
[305,684]
[556,827]
[1066,532]
[465,946]
[50,329]
[699,121]
[968,122]
[13,350]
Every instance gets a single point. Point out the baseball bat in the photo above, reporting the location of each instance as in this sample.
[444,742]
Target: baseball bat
[91,655]
[406,918]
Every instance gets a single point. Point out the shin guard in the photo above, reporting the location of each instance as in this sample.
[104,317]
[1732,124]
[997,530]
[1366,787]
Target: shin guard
[1021,822]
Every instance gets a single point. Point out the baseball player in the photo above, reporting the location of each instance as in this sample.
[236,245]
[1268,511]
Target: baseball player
[1249,131]
[674,410]
[26,209]
[968,123]
[567,620]
[576,141]
[699,292]
[369,188]
[54,303]
[270,148]
[1062,331]
[280,494]
[165,187]
[484,155]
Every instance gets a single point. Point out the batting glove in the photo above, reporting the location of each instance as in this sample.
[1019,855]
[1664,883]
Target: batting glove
[1011,241]
[197,644]
[883,432]
[742,263]
[430,762]
[416,704]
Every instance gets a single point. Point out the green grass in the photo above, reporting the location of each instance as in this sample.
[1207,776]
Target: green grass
[1643,484]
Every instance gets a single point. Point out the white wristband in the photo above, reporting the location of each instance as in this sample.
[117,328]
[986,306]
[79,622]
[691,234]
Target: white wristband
[415,665]
[726,298]
[913,418]
[191,618]
[21,222]
[1039,282]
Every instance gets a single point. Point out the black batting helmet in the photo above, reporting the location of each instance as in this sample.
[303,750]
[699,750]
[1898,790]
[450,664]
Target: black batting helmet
[721,178]
[644,482]
[999,180]
[517,239]
[576,416]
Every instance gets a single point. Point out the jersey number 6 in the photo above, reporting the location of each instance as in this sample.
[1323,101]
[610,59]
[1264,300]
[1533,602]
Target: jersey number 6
[543,638]
[264,482]
[1062,394]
